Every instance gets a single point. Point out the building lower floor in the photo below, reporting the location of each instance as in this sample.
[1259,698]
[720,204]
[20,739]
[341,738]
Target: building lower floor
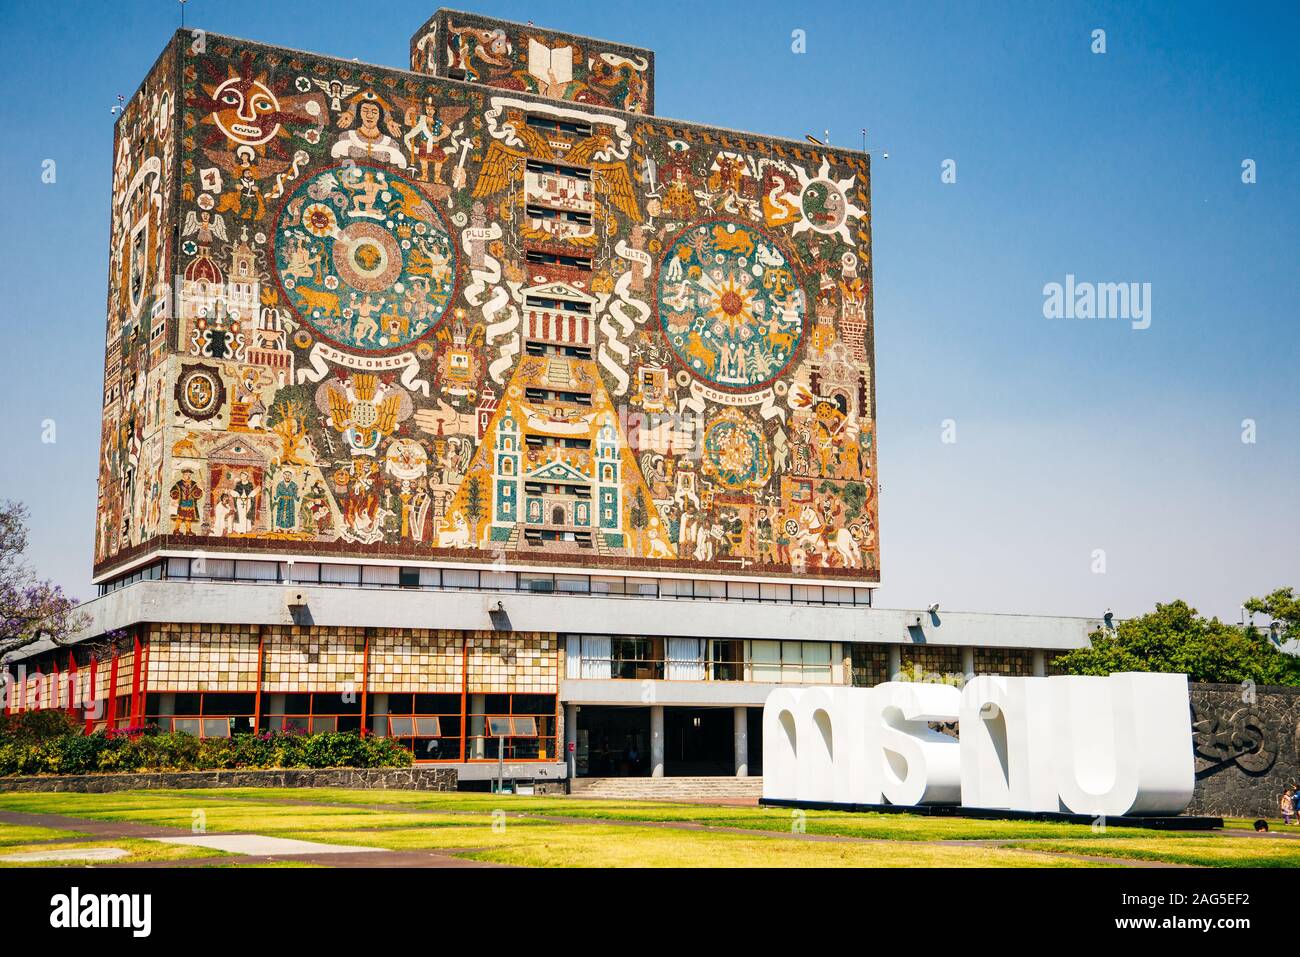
[549,687]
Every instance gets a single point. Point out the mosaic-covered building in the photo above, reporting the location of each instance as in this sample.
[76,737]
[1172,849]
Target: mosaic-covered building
[455,340]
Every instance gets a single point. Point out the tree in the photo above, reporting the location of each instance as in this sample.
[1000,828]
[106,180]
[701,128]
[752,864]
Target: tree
[30,609]
[474,501]
[1283,606]
[1175,638]
[638,516]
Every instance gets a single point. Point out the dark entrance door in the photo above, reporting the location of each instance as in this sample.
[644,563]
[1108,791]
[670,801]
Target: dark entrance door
[699,741]
[613,742]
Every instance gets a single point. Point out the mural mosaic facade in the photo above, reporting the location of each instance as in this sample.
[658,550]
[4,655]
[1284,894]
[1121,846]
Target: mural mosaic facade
[490,311]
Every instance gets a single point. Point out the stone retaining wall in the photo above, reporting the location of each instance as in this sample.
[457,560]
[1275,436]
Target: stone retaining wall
[1247,745]
[410,779]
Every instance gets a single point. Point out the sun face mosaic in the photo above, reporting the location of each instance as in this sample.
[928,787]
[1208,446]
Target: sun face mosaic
[487,312]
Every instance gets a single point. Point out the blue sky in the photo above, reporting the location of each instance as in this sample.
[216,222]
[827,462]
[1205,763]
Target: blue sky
[1072,436]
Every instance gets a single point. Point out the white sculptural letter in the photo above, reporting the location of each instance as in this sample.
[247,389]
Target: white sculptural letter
[1114,746]
[1123,744]
[919,765]
[1006,744]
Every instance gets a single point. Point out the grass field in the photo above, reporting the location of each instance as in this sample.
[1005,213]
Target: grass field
[567,832]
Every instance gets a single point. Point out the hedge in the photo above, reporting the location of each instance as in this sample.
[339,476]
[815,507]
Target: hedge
[177,751]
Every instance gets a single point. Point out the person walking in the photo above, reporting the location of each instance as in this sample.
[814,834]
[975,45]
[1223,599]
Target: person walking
[1287,803]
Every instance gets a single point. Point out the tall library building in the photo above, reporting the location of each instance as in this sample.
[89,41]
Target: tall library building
[478,406]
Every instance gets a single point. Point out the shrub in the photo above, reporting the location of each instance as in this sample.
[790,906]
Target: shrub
[177,751]
[29,727]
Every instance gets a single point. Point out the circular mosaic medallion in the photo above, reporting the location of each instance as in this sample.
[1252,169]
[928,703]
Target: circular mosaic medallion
[735,451]
[199,392]
[364,258]
[730,305]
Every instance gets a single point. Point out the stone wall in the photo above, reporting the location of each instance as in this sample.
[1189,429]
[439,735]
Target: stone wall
[408,779]
[1247,746]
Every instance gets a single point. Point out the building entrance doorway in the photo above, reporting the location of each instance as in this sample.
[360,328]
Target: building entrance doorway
[612,742]
[699,741]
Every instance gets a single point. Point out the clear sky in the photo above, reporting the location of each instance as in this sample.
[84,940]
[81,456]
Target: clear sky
[1072,435]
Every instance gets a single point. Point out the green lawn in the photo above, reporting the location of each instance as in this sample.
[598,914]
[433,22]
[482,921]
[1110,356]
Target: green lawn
[138,851]
[14,834]
[569,832]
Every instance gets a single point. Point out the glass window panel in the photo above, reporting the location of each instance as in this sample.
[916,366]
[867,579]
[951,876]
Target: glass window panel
[713,590]
[838,594]
[298,723]
[427,727]
[401,727]
[459,578]
[323,725]
[212,568]
[340,574]
[305,571]
[769,592]
[765,658]
[229,703]
[178,568]
[505,581]
[216,727]
[442,704]
[381,574]
[607,586]
[808,593]
[816,662]
[675,587]
[525,726]
[187,725]
[571,583]
[256,571]
[498,727]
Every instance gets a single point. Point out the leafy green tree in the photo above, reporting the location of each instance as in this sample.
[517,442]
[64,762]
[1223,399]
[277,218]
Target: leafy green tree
[474,501]
[638,516]
[1175,638]
[1283,606]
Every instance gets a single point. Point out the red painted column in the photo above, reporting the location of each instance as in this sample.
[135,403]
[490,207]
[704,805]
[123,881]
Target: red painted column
[112,690]
[136,667]
[92,696]
[72,684]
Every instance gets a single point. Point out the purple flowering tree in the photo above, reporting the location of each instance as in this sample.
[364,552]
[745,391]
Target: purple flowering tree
[30,609]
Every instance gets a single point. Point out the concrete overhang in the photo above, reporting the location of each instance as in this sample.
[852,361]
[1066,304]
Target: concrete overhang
[344,606]
[718,694]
